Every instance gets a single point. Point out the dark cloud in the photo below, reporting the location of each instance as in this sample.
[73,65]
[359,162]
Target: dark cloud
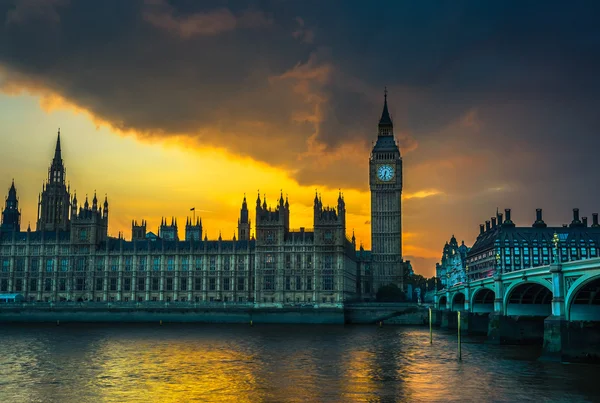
[497,95]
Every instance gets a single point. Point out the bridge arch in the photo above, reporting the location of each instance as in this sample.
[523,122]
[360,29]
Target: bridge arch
[442,301]
[458,301]
[482,300]
[583,299]
[529,298]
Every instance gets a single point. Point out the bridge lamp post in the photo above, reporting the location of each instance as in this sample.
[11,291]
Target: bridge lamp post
[555,241]
[498,263]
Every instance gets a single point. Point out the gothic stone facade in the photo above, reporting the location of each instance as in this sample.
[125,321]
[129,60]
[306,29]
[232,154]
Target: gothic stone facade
[70,256]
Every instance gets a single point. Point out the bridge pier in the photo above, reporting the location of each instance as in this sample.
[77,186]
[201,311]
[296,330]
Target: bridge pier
[449,320]
[464,321]
[436,317]
[445,318]
[479,323]
[571,341]
[505,329]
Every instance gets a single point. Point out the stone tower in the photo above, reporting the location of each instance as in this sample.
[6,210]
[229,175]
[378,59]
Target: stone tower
[11,216]
[244,222]
[55,202]
[193,230]
[89,225]
[138,231]
[385,179]
[272,225]
[168,232]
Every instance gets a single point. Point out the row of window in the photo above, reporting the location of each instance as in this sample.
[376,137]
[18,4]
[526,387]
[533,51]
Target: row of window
[81,284]
[80,264]
[296,283]
[199,299]
[566,254]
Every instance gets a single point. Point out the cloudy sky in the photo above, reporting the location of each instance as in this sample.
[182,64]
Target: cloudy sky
[168,105]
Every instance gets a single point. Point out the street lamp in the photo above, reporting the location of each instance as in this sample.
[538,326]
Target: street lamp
[555,241]
[467,271]
[498,260]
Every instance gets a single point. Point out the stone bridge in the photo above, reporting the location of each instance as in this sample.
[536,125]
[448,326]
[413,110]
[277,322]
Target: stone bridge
[558,303]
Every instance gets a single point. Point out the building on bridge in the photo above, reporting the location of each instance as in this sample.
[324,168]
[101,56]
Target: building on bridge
[504,247]
[451,270]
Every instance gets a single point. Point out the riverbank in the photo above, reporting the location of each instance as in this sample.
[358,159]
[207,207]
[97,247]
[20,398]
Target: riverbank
[405,314]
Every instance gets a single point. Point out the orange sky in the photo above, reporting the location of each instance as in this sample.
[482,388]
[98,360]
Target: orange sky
[146,178]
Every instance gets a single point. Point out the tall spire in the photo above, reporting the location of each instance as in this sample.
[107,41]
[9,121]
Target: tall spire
[57,153]
[12,192]
[385,122]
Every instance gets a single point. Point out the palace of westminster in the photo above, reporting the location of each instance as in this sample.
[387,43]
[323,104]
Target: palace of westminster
[70,257]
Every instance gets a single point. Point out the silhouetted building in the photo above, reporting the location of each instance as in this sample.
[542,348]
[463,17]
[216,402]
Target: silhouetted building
[71,257]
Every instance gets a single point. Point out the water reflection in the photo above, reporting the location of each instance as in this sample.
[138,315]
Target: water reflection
[274,364]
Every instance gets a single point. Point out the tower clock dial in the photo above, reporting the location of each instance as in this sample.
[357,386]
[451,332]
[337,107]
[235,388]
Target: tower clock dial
[385,173]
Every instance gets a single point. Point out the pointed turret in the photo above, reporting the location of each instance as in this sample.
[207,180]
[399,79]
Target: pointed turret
[244,221]
[105,211]
[11,216]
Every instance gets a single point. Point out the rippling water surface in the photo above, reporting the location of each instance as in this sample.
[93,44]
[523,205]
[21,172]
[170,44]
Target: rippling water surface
[202,363]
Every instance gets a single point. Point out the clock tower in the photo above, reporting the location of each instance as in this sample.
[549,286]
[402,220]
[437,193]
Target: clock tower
[385,179]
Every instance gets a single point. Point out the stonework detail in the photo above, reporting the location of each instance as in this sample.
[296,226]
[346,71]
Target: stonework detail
[569,280]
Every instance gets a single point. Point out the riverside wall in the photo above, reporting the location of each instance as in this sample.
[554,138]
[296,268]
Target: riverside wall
[174,315]
[399,314]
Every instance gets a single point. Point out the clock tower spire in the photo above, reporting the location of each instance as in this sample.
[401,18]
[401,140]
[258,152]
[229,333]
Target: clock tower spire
[386,126]
[385,179]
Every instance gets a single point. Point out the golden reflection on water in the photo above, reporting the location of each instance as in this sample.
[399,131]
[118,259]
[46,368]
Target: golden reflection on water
[171,371]
[271,364]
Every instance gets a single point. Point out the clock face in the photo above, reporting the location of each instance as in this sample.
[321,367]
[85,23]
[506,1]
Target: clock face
[385,173]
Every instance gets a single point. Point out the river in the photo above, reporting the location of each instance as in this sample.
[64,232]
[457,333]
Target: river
[269,363]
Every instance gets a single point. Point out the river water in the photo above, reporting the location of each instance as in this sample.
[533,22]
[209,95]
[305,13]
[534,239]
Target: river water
[269,363]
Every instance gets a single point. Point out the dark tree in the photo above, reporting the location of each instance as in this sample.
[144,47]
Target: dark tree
[390,293]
